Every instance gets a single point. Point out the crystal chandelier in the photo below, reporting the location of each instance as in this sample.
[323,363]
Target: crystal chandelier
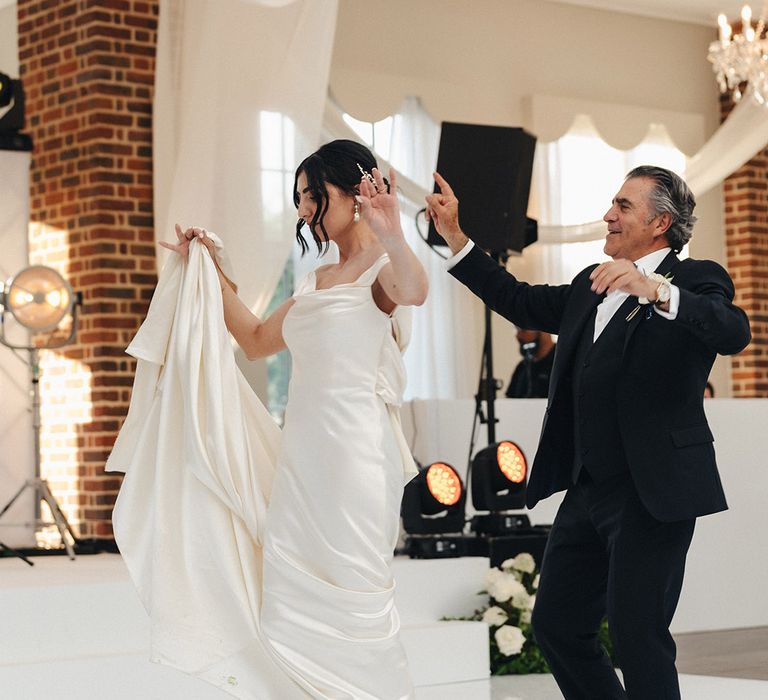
[742,58]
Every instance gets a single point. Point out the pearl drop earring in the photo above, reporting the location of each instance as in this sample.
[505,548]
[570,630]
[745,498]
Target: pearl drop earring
[356,216]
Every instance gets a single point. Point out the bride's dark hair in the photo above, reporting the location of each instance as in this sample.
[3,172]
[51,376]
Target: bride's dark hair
[335,163]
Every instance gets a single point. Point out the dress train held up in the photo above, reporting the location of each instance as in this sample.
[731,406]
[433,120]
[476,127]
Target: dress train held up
[263,559]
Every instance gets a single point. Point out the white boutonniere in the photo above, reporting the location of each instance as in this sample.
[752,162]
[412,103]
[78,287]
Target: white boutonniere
[643,301]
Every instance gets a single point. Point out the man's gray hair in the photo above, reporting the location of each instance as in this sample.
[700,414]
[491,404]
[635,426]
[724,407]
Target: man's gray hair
[670,195]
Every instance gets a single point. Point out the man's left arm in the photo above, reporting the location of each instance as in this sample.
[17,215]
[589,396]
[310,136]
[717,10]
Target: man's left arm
[707,310]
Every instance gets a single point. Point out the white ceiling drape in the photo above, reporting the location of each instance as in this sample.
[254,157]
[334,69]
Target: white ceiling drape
[621,126]
[738,140]
[240,89]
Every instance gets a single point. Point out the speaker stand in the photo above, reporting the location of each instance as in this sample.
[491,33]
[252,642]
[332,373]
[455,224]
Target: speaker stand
[487,387]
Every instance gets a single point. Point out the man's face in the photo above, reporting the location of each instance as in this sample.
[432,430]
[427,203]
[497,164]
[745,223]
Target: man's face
[633,229]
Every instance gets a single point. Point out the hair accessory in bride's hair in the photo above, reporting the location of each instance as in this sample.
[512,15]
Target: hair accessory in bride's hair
[367,175]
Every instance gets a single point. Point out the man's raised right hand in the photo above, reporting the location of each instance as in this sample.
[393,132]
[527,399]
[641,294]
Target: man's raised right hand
[443,210]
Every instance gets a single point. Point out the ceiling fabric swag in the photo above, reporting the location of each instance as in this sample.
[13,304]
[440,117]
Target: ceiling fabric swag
[622,127]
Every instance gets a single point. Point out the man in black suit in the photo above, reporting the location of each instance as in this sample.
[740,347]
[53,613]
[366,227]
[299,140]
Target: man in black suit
[624,431]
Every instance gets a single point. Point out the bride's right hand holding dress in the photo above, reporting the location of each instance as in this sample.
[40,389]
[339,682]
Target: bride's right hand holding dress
[257,338]
[184,241]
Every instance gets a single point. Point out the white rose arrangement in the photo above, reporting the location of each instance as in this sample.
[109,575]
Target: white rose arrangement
[512,592]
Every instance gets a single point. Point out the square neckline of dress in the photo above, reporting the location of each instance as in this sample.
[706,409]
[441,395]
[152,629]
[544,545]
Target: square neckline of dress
[343,284]
[312,277]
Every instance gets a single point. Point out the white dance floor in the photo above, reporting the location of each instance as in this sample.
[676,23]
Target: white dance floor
[76,631]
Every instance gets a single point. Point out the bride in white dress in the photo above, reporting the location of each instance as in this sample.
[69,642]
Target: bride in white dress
[319,591]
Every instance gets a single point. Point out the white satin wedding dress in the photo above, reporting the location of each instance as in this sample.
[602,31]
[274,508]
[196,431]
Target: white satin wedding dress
[263,560]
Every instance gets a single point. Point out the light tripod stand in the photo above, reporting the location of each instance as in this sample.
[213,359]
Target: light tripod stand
[39,299]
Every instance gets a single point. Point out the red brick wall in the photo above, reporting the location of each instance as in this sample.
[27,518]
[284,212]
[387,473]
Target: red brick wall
[88,69]
[746,240]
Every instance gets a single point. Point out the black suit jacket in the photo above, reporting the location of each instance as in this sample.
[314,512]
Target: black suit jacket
[665,366]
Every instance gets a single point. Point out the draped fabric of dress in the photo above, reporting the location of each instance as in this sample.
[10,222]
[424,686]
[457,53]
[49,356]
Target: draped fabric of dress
[263,559]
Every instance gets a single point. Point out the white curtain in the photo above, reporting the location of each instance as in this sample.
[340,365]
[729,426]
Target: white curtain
[240,89]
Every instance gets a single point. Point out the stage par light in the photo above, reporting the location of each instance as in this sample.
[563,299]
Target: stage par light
[433,514]
[498,477]
[499,474]
[433,501]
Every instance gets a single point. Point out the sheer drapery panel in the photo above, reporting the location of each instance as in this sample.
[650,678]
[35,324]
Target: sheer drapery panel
[236,108]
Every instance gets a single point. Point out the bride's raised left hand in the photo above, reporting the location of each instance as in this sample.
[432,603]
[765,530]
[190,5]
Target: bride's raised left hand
[379,207]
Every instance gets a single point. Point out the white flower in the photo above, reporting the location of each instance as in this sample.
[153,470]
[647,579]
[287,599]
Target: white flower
[525,617]
[654,277]
[491,576]
[510,640]
[522,601]
[508,565]
[504,586]
[495,616]
[536,581]
[522,562]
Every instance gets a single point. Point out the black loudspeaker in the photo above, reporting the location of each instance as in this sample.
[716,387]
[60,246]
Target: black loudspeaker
[489,169]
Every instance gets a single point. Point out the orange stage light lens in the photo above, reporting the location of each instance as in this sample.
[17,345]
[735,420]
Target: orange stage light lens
[511,462]
[444,484]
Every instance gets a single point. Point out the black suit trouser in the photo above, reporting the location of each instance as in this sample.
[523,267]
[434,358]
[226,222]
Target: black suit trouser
[607,555]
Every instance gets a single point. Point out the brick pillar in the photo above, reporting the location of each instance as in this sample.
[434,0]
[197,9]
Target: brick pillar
[88,69]
[746,241]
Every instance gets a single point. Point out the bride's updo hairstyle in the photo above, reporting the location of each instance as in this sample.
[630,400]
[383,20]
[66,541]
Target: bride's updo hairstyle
[335,163]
